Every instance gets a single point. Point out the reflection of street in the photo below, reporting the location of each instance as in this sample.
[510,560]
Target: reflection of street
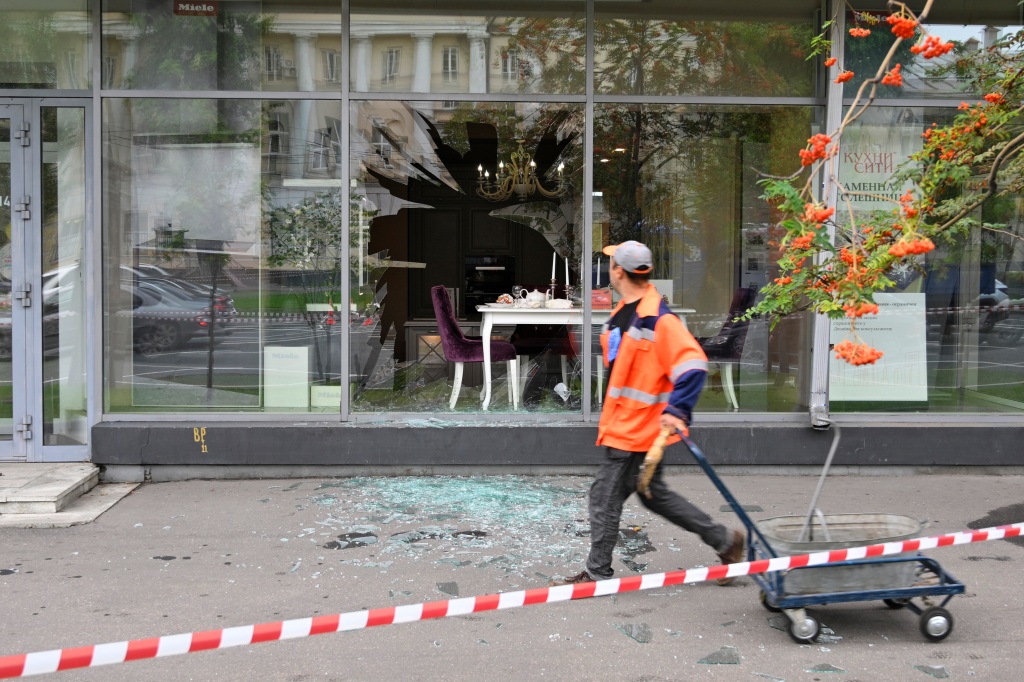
[241,352]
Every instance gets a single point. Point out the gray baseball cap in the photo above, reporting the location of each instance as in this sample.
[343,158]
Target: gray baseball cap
[632,256]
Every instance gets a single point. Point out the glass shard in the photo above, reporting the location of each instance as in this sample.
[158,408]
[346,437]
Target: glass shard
[634,541]
[640,632]
[937,671]
[727,655]
[451,589]
[824,668]
[351,541]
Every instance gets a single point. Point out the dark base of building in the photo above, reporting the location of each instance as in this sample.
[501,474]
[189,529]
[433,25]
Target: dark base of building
[400,448]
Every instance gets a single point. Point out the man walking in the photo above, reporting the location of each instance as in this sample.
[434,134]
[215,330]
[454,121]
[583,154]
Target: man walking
[656,372]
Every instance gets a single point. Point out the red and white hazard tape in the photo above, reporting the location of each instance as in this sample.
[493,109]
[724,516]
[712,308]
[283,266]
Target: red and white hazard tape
[41,662]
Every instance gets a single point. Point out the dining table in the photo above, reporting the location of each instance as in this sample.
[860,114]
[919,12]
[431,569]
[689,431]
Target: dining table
[508,314]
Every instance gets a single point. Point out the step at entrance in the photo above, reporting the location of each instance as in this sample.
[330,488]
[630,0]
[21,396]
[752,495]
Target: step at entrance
[29,488]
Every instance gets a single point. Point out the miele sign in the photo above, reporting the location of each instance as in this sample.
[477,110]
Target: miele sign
[195,9]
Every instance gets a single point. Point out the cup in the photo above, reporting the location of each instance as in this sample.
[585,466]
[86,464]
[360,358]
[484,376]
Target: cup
[518,294]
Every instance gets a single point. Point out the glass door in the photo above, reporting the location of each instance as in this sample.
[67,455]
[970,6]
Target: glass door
[43,303]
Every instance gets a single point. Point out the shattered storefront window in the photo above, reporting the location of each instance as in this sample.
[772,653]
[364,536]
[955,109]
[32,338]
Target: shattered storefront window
[466,217]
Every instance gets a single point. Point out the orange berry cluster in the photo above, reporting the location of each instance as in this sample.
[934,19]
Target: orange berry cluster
[818,145]
[830,61]
[914,247]
[844,76]
[993,98]
[860,32]
[783,280]
[860,309]
[857,353]
[902,27]
[931,47]
[893,77]
[908,210]
[813,214]
[802,242]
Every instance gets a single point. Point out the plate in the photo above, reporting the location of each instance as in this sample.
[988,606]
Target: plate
[498,305]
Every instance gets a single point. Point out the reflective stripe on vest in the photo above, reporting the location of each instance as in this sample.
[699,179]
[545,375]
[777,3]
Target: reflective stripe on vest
[684,367]
[637,395]
[640,334]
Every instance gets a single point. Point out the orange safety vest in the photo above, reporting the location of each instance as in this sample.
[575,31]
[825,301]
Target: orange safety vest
[656,350]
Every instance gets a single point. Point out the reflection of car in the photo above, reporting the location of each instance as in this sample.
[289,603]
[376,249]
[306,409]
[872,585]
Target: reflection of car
[164,318]
[154,273]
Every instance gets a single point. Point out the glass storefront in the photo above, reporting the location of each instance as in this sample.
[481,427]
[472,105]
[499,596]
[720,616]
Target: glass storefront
[223,254]
[683,180]
[305,212]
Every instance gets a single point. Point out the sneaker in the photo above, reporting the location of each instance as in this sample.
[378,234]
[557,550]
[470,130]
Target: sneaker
[734,554]
[581,577]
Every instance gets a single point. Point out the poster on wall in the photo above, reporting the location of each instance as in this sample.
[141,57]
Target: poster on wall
[871,152]
[900,375]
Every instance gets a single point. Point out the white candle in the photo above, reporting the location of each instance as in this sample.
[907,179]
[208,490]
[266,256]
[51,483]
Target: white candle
[566,272]
[552,266]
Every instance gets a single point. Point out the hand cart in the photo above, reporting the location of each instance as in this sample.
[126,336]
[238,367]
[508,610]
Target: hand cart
[895,580]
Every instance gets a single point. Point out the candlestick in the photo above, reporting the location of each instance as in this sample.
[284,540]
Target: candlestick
[566,272]
[552,267]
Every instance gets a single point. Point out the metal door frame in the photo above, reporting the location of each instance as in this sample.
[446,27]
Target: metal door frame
[27,350]
[19,448]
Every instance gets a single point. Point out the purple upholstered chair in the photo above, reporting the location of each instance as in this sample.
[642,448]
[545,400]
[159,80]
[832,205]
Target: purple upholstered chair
[460,349]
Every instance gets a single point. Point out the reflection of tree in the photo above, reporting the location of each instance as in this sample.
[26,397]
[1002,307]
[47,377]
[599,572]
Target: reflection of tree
[862,56]
[667,57]
[27,48]
[221,52]
[308,237]
[669,169]
[661,168]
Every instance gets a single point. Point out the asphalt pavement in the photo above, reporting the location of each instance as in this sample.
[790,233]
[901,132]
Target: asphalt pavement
[201,555]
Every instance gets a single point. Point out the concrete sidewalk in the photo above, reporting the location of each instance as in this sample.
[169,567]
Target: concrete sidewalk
[198,555]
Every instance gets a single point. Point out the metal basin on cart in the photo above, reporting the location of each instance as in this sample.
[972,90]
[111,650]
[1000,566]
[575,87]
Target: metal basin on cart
[894,579]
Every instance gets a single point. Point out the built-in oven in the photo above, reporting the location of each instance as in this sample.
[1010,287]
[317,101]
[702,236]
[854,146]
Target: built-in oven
[486,278]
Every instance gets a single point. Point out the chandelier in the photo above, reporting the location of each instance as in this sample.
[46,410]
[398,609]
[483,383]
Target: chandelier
[518,176]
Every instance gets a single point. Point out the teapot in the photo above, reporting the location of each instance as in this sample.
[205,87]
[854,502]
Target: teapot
[534,299]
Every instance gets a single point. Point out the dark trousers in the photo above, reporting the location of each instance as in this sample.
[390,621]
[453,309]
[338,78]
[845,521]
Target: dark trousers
[616,481]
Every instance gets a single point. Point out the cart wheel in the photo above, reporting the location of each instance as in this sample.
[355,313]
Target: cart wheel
[805,631]
[767,604]
[936,623]
[896,603]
